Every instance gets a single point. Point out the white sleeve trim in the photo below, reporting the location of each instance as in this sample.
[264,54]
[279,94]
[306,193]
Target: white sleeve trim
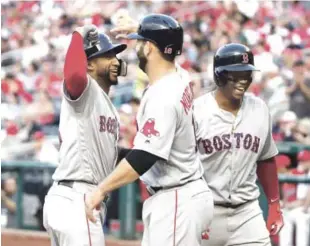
[263,158]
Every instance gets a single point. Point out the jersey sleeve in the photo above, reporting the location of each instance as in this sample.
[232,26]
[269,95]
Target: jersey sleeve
[85,100]
[157,126]
[270,149]
[197,119]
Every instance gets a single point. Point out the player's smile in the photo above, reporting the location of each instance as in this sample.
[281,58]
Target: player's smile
[114,72]
[238,87]
[241,88]
[114,69]
[240,82]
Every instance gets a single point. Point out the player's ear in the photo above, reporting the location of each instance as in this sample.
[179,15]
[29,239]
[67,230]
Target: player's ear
[91,65]
[147,48]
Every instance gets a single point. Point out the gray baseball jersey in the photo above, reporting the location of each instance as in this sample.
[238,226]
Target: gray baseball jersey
[230,146]
[89,132]
[165,129]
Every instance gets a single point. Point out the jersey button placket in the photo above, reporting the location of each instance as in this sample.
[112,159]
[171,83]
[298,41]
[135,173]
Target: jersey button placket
[231,163]
[233,157]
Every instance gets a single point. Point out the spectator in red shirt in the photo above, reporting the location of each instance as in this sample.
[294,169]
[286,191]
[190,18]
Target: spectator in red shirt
[49,80]
[11,86]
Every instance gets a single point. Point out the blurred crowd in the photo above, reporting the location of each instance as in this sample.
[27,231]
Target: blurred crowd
[295,202]
[35,36]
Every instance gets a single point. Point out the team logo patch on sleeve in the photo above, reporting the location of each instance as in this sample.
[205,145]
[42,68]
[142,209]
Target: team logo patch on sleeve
[148,129]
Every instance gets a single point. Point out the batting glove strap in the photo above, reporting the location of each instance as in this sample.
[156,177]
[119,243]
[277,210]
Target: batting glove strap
[90,35]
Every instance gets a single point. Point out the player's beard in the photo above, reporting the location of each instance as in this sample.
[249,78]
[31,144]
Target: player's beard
[142,58]
[107,76]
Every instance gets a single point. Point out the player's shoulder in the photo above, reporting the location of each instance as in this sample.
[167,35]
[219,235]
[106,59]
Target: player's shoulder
[173,81]
[169,88]
[254,101]
[159,95]
[204,106]
[92,82]
[202,100]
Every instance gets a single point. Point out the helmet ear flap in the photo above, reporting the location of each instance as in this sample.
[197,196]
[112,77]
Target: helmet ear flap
[219,78]
[122,69]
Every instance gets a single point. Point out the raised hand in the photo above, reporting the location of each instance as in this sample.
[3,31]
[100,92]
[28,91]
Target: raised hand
[89,33]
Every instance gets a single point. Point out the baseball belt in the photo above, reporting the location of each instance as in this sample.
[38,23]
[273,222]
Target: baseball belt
[69,183]
[230,205]
[154,189]
[103,209]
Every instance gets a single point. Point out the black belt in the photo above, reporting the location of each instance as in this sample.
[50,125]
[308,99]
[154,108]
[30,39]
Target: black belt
[154,189]
[229,205]
[69,183]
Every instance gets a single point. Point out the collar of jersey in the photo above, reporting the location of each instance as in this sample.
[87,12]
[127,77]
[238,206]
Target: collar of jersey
[225,114]
[164,78]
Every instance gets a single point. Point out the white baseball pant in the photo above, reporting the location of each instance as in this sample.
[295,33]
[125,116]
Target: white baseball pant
[301,220]
[177,216]
[242,226]
[65,220]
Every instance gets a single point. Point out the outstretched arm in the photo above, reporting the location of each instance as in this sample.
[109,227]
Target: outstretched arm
[8,202]
[124,26]
[136,163]
[268,177]
[75,69]
[145,154]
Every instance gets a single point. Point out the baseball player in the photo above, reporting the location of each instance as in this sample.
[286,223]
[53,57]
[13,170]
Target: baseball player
[164,153]
[236,147]
[89,131]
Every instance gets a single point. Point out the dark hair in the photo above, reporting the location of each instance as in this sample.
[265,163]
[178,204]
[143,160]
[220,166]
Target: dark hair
[298,63]
[10,76]
[135,100]
[2,184]
[35,66]
[167,58]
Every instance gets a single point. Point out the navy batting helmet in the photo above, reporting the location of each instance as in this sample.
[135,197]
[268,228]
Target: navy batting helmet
[232,57]
[162,30]
[103,47]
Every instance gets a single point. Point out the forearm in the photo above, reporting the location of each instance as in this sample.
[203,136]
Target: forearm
[305,91]
[75,68]
[122,175]
[136,163]
[268,177]
[10,204]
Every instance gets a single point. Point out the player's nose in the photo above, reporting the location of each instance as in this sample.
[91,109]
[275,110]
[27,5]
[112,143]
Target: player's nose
[243,82]
[116,62]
